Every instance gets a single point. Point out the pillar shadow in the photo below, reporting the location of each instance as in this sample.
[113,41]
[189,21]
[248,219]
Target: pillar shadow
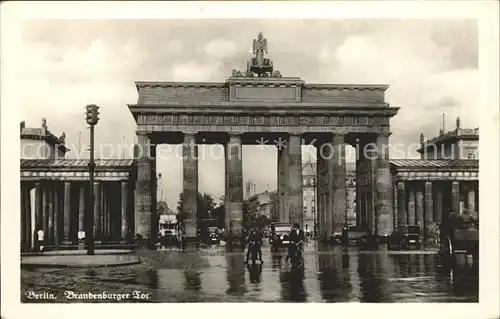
[235,274]
[373,283]
[334,278]
[292,285]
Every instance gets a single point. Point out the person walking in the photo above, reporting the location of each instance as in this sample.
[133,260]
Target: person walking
[40,240]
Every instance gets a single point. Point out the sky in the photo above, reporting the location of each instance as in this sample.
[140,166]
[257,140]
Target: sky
[431,67]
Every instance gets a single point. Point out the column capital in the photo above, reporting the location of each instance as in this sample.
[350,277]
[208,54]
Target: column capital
[341,134]
[190,132]
[384,134]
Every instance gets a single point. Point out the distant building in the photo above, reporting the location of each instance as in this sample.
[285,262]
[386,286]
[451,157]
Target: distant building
[260,204]
[458,144]
[309,196]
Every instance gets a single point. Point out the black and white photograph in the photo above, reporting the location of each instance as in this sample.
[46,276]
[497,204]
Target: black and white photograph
[250,160]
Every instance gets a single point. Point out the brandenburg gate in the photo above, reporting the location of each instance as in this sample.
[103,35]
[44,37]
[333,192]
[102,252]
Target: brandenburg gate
[256,105]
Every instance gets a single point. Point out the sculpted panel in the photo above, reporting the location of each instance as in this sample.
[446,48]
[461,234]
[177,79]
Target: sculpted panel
[262,120]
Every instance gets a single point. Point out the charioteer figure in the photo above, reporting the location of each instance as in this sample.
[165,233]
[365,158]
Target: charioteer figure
[259,64]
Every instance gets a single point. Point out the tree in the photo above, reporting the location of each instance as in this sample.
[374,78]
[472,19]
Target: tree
[219,214]
[206,206]
[161,208]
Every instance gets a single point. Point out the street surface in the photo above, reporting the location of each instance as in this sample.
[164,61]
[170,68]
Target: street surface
[216,274]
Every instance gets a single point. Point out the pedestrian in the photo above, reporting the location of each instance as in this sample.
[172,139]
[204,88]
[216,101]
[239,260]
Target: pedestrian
[296,237]
[40,240]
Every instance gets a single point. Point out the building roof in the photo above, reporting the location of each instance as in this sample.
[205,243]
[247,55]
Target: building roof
[43,133]
[450,137]
[74,163]
[442,163]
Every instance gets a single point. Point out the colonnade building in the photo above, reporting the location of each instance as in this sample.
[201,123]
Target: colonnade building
[444,180]
[55,193]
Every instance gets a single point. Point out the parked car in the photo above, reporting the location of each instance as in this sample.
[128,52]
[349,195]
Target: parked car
[358,236]
[279,235]
[211,236]
[169,237]
[405,236]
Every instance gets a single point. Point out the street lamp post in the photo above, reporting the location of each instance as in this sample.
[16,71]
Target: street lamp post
[92,119]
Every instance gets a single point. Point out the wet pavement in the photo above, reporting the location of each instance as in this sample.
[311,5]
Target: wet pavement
[218,274]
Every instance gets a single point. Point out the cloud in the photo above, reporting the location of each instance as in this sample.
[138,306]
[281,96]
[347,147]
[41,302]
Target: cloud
[220,48]
[430,65]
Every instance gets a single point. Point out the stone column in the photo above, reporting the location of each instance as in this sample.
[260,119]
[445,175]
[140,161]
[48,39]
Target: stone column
[143,204]
[337,174]
[27,219]
[384,192]
[23,218]
[234,190]
[455,197]
[471,200]
[103,210]
[124,213]
[57,216]
[359,203]
[67,210]
[411,204]
[50,220]
[38,207]
[284,217]
[368,173]
[190,185]
[45,212]
[438,207]
[295,180]
[395,209]
[429,207]
[97,212]
[81,209]
[401,199]
[419,207]
[154,187]
[322,191]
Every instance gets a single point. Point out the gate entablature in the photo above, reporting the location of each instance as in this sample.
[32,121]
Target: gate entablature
[286,90]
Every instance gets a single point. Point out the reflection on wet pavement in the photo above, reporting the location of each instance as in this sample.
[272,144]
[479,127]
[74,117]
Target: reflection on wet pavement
[218,274]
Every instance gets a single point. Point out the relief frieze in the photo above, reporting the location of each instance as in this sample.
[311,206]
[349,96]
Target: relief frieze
[274,120]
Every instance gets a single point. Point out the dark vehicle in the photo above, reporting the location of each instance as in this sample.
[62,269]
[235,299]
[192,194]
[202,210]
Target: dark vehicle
[279,235]
[169,237]
[405,236]
[212,236]
[358,236]
[208,232]
[459,234]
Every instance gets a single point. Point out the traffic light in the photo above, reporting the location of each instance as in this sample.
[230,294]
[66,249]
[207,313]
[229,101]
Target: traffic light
[92,114]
